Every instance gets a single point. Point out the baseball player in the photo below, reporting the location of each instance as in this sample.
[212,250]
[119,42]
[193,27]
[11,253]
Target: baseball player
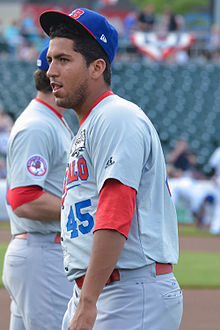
[214,162]
[196,194]
[119,226]
[33,267]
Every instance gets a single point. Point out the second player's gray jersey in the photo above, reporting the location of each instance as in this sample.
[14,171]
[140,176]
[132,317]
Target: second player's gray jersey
[37,155]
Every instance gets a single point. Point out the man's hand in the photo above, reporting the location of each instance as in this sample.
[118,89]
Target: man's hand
[84,317]
[106,249]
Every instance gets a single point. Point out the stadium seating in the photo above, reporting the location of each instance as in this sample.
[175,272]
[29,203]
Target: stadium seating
[180,100]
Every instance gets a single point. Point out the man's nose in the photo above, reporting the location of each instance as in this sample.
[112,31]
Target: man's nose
[51,72]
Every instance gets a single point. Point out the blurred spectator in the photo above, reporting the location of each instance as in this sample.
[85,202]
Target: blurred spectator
[130,24]
[3,171]
[168,21]
[214,162]
[1,28]
[13,37]
[5,128]
[181,157]
[3,44]
[180,23]
[213,44]
[27,51]
[29,32]
[6,123]
[146,19]
[182,56]
[22,40]
[28,28]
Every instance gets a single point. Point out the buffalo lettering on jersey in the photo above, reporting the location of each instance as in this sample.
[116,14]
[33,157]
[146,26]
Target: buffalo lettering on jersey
[77,171]
[79,220]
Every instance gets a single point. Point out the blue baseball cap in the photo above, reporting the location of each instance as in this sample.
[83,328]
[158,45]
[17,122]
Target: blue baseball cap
[96,24]
[42,63]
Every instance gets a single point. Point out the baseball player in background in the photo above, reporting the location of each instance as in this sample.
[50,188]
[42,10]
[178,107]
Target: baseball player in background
[214,162]
[36,161]
[119,226]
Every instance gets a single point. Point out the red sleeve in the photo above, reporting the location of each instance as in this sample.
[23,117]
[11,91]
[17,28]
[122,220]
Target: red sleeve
[116,207]
[21,195]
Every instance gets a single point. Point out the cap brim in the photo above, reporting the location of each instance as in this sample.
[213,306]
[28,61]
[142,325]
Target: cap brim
[53,17]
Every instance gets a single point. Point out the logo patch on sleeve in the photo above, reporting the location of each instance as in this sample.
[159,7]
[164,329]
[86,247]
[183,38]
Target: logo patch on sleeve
[37,165]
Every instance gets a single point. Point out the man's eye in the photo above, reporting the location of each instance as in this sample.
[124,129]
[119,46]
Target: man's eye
[62,59]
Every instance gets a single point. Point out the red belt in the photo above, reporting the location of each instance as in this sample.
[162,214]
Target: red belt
[57,239]
[21,236]
[161,269]
[115,276]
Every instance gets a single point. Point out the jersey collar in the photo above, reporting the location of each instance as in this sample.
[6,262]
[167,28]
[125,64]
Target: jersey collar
[99,99]
[51,108]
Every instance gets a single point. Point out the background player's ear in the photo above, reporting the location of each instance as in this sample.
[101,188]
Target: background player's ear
[97,68]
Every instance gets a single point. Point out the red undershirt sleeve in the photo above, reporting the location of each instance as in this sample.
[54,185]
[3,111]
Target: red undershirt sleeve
[115,207]
[21,195]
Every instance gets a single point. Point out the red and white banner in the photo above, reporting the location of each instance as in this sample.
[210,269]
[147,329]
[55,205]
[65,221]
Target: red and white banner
[109,2]
[158,47]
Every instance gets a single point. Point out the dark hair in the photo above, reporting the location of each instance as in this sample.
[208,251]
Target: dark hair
[42,82]
[84,44]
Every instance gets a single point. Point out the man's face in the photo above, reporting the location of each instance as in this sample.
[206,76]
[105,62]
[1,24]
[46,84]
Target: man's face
[68,73]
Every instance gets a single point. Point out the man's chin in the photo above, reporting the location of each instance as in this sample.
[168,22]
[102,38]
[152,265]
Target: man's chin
[60,102]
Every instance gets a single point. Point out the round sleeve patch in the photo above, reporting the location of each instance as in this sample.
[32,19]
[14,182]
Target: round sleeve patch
[37,165]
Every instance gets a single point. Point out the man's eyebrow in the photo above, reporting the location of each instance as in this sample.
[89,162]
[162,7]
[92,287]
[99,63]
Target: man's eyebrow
[58,55]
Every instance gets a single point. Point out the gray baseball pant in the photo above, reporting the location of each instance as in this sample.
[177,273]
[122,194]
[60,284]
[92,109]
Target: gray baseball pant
[141,300]
[34,277]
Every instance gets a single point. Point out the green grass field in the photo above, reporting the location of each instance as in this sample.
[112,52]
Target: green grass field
[194,269]
[3,248]
[191,230]
[4,225]
[198,270]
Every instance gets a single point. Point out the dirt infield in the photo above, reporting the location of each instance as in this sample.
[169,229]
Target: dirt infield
[201,307]
[201,310]
[4,309]
[207,244]
[5,236]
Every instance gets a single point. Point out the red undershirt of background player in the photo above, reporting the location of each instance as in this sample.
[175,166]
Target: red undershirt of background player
[115,208]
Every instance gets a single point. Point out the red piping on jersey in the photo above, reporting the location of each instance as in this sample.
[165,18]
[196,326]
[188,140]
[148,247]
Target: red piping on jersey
[99,99]
[51,108]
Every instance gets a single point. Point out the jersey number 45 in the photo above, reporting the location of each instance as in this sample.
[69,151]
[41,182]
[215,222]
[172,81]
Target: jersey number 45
[86,219]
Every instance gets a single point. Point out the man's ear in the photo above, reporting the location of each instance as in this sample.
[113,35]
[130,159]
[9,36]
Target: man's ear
[97,68]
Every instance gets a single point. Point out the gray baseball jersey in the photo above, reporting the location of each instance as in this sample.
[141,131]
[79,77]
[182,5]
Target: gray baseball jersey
[33,266]
[117,140]
[37,155]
